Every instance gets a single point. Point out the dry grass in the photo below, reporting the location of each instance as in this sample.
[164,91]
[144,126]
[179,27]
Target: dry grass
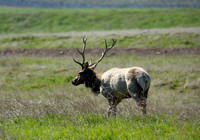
[59,102]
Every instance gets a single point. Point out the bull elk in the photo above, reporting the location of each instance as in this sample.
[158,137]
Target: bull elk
[115,84]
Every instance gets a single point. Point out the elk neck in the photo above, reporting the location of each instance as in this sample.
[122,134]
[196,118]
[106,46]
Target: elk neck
[94,81]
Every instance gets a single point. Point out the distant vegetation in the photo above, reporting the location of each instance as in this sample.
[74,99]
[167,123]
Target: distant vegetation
[177,40]
[103,4]
[24,20]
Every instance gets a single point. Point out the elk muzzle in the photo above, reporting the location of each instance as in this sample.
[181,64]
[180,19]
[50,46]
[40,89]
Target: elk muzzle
[78,80]
[75,81]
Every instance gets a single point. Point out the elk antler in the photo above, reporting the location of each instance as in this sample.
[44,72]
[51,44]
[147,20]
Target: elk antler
[103,53]
[82,53]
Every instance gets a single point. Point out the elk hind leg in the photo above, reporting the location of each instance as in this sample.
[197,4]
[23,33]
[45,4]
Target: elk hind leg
[137,94]
[144,100]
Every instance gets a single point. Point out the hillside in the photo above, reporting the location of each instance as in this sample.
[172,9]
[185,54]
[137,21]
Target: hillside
[103,4]
[38,20]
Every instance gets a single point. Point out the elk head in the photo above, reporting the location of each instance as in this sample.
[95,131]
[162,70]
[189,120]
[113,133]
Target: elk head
[87,75]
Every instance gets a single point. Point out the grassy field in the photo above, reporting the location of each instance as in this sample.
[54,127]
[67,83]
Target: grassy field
[38,101]
[43,103]
[23,20]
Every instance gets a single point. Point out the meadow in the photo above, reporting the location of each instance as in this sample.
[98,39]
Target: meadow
[38,101]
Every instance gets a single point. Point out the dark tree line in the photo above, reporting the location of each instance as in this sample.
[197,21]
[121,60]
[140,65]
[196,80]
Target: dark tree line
[103,3]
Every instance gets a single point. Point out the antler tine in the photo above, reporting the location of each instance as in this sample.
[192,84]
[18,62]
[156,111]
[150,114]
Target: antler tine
[77,62]
[106,45]
[104,53]
[90,62]
[83,50]
[82,53]
[107,49]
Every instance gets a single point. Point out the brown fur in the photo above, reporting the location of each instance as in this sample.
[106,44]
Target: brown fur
[132,73]
[93,80]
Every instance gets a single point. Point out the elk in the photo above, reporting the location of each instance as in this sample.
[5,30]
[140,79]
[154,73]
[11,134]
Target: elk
[115,84]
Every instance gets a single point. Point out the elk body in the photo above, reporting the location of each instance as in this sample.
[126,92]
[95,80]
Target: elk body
[115,84]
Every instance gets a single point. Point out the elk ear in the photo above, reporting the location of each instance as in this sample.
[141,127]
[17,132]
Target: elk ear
[85,65]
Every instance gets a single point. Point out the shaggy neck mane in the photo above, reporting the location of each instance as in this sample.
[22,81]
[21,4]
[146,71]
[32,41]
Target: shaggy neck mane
[94,81]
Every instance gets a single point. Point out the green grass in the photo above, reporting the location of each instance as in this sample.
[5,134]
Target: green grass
[26,20]
[33,73]
[95,41]
[161,40]
[98,127]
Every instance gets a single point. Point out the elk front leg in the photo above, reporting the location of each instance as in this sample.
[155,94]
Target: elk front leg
[112,110]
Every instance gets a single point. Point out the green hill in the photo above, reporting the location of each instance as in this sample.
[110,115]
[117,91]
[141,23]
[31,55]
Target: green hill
[30,20]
